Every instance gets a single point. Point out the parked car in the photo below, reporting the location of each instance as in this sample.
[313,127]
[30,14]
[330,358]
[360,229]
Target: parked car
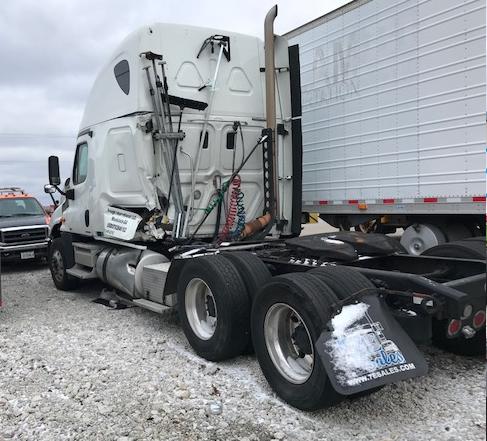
[23,226]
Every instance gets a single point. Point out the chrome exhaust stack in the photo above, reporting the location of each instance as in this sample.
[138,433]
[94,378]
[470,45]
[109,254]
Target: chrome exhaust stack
[270,100]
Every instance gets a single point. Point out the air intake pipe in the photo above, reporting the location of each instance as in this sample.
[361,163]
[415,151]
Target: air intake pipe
[270,100]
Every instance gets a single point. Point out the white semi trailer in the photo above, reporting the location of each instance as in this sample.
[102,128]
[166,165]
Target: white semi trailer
[186,192]
[393,95]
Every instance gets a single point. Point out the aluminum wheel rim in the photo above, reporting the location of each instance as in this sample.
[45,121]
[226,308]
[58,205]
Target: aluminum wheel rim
[281,322]
[201,309]
[57,265]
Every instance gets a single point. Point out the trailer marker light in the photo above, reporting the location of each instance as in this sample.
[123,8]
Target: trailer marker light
[362,206]
[479,319]
[454,327]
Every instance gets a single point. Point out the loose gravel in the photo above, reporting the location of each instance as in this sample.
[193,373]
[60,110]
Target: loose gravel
[74,369]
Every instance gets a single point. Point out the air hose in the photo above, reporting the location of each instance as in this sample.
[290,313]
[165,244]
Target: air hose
[236,213]
[219,197]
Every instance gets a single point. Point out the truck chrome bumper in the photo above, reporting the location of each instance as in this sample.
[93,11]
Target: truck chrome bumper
[27,246]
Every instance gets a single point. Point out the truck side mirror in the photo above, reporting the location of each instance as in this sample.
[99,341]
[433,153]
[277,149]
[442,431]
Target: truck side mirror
[54,178]
[49,189]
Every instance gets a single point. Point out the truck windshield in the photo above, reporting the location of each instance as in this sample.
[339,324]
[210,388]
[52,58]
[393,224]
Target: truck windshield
[12,207]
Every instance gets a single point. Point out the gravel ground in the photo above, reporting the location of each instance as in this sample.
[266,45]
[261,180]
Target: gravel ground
[74,369]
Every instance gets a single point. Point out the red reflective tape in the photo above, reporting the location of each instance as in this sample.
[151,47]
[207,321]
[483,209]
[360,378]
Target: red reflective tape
[388,201]
[478,199]
[353,201]
[323,202]
[429,200]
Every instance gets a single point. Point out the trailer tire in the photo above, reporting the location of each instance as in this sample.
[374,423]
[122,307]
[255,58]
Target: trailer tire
[212,285]
[57,266]
[302,382]
[343,281]
[471,248]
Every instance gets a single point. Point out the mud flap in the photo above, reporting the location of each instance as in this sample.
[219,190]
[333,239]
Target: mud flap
[366,348]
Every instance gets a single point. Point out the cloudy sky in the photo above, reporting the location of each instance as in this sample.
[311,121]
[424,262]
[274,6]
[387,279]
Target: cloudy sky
[51,51]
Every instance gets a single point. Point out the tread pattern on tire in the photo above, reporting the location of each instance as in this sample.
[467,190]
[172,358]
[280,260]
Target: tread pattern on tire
[307,296]
[343,281]
[254,272]
[232,332]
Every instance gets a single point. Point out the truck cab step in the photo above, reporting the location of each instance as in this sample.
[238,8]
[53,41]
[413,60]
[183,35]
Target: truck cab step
[82,272]
[152,306]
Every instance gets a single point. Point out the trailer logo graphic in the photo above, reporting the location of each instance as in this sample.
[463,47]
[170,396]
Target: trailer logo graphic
[359,349]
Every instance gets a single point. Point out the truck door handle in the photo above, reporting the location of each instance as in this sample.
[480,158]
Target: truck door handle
[70,194]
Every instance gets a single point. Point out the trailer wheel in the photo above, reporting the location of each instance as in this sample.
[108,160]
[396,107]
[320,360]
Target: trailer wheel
[288,315]
[343,281]
[57,266]
[471,248]
[214,307]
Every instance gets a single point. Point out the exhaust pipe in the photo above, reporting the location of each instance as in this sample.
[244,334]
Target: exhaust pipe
[270,99]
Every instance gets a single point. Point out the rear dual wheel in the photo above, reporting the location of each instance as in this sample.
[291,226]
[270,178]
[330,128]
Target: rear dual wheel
[214,307]
[288,316]
[214,300]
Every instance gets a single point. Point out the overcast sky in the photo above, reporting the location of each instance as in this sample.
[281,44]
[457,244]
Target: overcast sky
[51,51]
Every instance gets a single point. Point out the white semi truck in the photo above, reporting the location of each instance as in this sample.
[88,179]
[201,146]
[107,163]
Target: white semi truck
[186,192]
[393,95]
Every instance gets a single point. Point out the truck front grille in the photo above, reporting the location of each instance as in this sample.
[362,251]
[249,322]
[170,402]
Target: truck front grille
[24,235]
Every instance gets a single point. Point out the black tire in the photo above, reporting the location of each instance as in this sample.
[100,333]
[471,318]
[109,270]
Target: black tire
[232,332]
[471,248]
[304,294]
[253,271]
[343,281]
[57,266]
[255,275]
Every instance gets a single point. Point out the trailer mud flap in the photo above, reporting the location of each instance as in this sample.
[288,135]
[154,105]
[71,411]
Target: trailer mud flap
[366,348]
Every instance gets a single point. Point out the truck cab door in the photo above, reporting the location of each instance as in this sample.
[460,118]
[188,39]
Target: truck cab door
[77,212]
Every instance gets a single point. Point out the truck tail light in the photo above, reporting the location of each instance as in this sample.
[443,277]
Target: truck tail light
[479,319]
[454,327]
